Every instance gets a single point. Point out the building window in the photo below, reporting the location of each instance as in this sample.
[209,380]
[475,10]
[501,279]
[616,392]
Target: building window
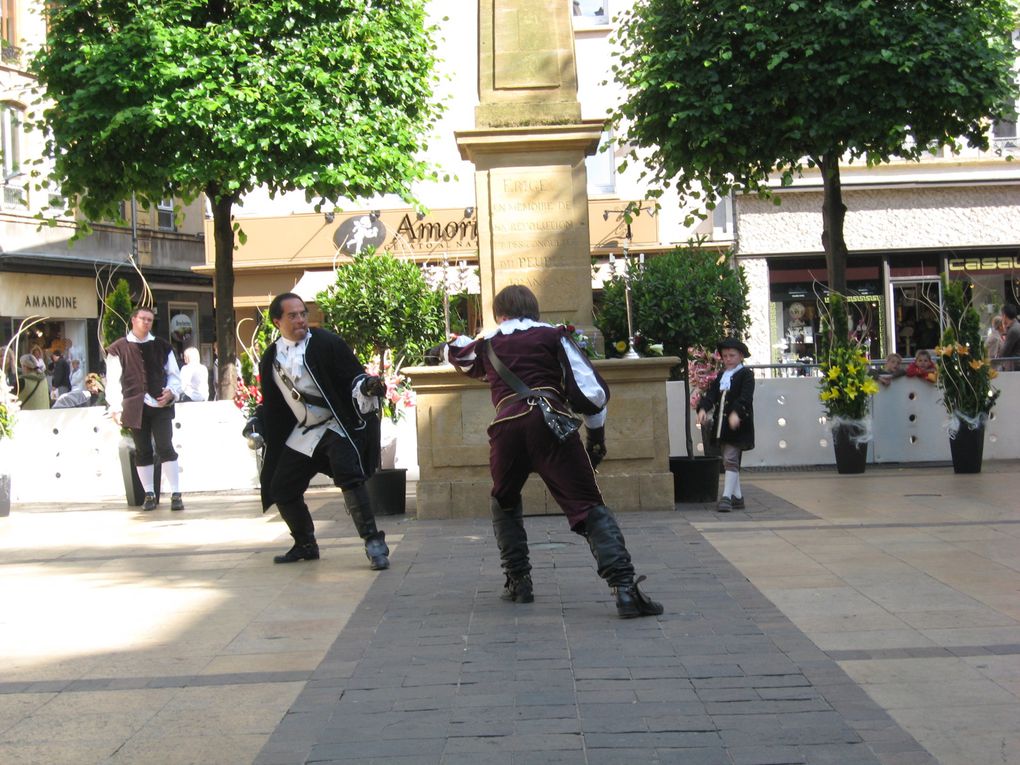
[165,215]
[591,11]
[15,183]
[11,53]
[601,167]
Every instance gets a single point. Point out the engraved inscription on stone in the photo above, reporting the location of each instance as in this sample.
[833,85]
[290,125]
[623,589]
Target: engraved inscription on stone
[524,46]
[539,235]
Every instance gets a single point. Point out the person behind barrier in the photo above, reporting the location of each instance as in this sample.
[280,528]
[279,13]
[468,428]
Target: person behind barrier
[1011,337]
[91,395]
[922,367]
[194,377]
[546,361]
[726,411]
[142,384]
[33,389]
[317,416]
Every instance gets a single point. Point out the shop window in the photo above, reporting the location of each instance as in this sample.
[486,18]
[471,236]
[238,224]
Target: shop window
[15,183]
[917,307]
[10,53]
[601,167]
[591,11]
[165,215]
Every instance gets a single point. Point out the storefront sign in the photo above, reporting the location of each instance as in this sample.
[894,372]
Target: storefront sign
[994,264]
[425,234]
[57,297]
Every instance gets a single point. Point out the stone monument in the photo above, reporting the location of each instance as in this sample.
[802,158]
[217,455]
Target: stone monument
[528,148]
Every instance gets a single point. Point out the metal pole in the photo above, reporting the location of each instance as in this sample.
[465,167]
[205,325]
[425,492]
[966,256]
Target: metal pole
[134,228]
[631,353]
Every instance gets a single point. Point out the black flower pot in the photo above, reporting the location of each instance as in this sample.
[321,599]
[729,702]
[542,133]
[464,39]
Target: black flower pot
[851,457]
[695,479]
[387,488]
[133,490]
[967,448]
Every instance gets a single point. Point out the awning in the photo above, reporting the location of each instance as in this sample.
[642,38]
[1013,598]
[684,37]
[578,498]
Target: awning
[312,283]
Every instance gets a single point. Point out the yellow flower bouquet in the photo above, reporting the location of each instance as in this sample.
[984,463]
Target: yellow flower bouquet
[846,384]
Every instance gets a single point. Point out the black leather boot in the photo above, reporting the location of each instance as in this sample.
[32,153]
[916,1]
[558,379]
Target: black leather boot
[512,540]
[303,549]
[360,507]
[614,565]
[299,521]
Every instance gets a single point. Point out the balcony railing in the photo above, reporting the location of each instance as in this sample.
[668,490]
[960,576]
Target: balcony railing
[10,54]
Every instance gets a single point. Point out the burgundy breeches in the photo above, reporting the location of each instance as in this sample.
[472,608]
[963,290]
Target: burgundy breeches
[525,445]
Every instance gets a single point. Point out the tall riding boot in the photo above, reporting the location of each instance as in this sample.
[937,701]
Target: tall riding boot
[614,565]
[299,521]
[512,540]
[360,507]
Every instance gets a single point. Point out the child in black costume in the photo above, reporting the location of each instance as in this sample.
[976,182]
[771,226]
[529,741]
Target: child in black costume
[727,411]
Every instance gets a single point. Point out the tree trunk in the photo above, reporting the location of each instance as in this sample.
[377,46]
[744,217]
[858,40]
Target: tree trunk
[833,216]
[226,340]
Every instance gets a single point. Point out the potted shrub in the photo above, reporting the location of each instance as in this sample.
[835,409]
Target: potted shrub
[964,378]
[846,388]
[688,298]
[383,307]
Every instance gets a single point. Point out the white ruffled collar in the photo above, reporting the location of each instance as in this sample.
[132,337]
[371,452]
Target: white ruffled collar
[291,355]
[510,326]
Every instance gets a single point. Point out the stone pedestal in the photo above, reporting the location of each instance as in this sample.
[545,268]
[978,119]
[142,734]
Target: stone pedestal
[453,448]
[532,202]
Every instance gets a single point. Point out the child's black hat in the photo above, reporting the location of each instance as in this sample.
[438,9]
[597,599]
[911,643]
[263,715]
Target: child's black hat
[732,342]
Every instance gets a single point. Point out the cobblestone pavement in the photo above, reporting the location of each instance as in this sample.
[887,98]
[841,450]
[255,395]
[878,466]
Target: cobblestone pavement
[800,631]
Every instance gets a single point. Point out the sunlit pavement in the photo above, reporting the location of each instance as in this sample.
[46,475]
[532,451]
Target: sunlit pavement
[840,619]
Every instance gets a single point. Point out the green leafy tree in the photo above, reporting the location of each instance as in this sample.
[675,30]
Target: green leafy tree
[381,303]
[688,298]
[727,95]
[117,309]
[222,96]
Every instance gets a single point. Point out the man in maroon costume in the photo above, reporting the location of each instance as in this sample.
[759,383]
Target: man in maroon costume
[547,361]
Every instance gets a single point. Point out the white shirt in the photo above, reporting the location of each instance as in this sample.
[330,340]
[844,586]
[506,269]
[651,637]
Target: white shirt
[195,382]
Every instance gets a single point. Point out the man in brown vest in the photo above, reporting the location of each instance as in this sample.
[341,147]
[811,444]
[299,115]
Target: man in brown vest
[142,384]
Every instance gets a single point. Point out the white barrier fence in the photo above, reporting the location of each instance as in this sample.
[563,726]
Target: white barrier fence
[68,455]
[909,422]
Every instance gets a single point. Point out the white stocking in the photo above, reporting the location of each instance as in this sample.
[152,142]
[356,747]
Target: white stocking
[145,474]
[731,480]
[737,493]
[172,475]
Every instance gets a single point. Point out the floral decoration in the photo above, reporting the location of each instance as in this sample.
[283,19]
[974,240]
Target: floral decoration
[846,384]
[248,396]
[582,341]
[703,366]
[9,407]
[399,396]
[964,372]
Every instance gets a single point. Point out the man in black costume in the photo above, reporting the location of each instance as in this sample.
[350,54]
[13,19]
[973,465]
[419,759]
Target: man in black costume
[317,416]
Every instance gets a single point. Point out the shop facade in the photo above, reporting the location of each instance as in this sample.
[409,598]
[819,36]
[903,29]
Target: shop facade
[902,239]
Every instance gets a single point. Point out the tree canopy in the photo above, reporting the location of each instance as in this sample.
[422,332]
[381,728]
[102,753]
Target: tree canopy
[728,95]
[182,97]
[381,303]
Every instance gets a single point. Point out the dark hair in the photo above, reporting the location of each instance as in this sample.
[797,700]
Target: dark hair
[515,302]
[276,307]
[141,308]
[1009,311]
